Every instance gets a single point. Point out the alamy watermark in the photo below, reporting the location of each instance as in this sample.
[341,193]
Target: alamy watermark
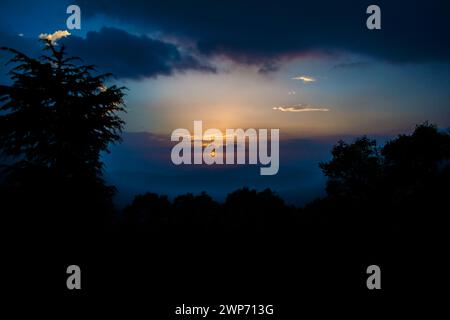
[74,20]
[373,22]
[236,146]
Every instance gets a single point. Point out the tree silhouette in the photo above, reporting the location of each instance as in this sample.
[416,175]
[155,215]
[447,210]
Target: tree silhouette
[247,209]
[354,169]
[57,114]
[415,160]
[56,118]
[405,182]
[406,165]
[147,212]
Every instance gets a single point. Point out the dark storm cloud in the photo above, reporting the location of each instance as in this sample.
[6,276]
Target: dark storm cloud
[259,31]
[131,56]
[117,51]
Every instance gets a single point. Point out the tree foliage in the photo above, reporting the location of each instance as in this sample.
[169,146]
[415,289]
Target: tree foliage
[57,114]
[56,118]
[409,166]
[354,168]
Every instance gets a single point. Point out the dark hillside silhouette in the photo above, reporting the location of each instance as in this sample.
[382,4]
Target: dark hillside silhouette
[385,205]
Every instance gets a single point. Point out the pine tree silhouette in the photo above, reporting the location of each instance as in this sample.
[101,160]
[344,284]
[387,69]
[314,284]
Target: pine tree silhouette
[56,118]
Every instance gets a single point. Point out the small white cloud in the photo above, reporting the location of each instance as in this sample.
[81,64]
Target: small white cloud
[301,108]
[304,78]
[54,36]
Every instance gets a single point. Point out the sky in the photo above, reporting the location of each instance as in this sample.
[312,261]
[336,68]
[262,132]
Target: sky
[310,68]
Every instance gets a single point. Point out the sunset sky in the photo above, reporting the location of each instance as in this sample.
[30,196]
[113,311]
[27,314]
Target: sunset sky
[310,68]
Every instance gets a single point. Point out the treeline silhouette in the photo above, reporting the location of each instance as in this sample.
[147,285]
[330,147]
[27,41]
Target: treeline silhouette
[401,185]
[243,210]
[385,205]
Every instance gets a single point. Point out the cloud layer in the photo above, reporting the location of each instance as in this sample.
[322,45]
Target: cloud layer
[117,51]
[130,56]
[54,36]
[257,31]
[304,79]
[300,108]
